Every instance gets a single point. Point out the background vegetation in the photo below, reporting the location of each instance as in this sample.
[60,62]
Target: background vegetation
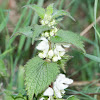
[14,52]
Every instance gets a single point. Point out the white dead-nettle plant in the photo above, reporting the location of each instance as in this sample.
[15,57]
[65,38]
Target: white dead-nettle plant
[43,70]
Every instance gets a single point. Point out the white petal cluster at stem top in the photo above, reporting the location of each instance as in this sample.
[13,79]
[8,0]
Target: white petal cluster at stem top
[59,85]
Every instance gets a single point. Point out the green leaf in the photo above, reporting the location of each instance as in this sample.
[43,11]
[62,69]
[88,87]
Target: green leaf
[38,29]
[40,11]
[49,9]
[59,13]
[27,31]
[68,37]
[72,98]
[38,75]
[92,57]
[3,70]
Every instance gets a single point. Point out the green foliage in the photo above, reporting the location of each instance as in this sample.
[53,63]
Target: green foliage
[68,37]
[58,13]
[72,98]
[63,61]
[3,69]
[27,31]
[40,11]
[49,9]
[92,57]
[32,32]
[38,75]
[38,29]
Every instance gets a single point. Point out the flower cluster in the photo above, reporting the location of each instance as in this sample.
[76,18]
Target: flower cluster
[51,23]
[59,85]
[50,51]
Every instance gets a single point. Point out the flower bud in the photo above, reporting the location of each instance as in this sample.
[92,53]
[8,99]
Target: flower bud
[46,22]
[55,29]
[42,22]
[46,34]
[52,23]
[51,33]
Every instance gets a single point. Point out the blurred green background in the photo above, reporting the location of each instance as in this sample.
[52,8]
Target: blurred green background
[14,52]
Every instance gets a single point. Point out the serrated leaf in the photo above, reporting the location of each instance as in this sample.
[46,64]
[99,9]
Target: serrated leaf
[38,29]
[68,37]
[27,31]
[59,13]
[40,11]
[49,9]
[38,75]
[72,98]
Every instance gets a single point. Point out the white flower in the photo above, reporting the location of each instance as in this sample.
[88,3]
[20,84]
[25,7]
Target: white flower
[50,53]
[48,92]
[59,48]
[55,58]
[42,55]
[61,53]
[60,84]
[43,45]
